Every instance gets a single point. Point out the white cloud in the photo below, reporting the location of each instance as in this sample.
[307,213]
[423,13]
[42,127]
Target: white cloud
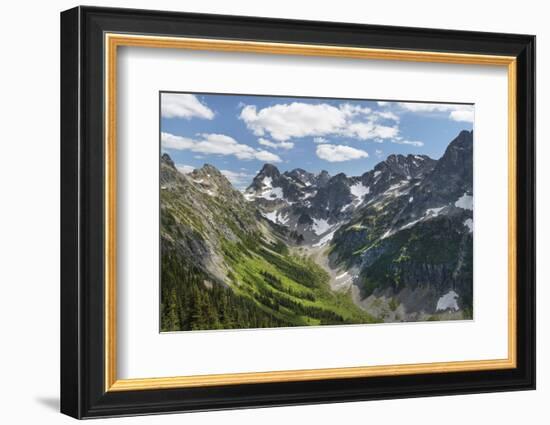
[387,115]
[267,156]
[238,178]
[466,116]
[285,121]
[183,105]
[319,140]
[339,153]
[379,152]
[275,145]
[401,141]
[218,144]
[353,110]
[185,169]
[425,107]
[381,103]
[371,130]
[456,112]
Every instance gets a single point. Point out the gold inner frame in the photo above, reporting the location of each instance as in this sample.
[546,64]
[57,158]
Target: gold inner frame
[113,41]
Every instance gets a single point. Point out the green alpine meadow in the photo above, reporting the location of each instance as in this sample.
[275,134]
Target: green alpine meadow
[333,235]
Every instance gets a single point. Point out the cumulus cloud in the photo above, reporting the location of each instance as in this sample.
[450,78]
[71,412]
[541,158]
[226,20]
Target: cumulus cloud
[297,119]
[319,140]
[371,130]
[285,121]
[456,112]
[185,169]
[339,153]
[217,144]
[183,105]
[275,145]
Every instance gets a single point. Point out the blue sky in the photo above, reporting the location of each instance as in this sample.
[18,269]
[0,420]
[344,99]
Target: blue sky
[239,133]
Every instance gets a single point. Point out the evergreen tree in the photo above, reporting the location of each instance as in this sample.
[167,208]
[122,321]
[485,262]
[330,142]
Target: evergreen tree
[171,320]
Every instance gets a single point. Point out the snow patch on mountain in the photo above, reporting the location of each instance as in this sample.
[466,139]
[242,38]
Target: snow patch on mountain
[283,219]
[325,239]
[411,224]
[395,188]
[346,207]
[276,217]
[273,193]
[465,202]
[271,216]
[267,181]
[469,223]
[430,213]
[320,226]
[448,301]
[434,212]
[359,190]
[309,195]
[249,196]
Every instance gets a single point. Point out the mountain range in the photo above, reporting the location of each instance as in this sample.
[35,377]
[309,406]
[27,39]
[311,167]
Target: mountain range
[300,248]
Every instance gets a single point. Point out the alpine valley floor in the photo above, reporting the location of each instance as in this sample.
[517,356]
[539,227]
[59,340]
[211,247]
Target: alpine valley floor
[297,248]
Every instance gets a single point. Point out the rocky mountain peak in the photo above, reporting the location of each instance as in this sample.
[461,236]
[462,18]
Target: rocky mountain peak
[211,181]
[269,170]
[464,141]
[209,168]
[165,159]
[299,172]
[456,164]
[322,178]
[168,171]
[338,179]
[409,167]
[207,171]
[466,135]
[394,159]
[268,177]
[300,175]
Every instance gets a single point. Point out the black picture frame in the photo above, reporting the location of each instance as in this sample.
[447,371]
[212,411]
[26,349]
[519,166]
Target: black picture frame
[83,392]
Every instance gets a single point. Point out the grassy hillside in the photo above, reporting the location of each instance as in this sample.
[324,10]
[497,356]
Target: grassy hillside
[266,287]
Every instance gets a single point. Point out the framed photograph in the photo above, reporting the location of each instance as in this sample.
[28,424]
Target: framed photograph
[261,212]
